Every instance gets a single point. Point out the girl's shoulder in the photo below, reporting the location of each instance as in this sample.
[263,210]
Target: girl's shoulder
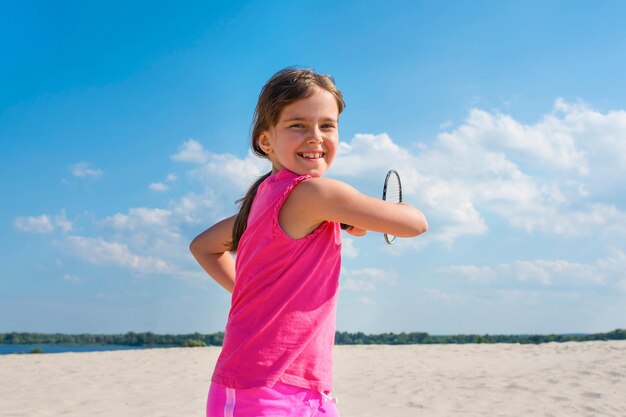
[317,199]
[307,206]
[316,188]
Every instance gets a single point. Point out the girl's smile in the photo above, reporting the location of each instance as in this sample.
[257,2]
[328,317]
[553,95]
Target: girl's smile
[306,136]
[311,155]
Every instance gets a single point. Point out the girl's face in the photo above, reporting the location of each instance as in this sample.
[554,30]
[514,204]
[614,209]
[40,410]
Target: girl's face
[306,136]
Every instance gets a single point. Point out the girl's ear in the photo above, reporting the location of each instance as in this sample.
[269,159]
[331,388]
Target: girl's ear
[265,142]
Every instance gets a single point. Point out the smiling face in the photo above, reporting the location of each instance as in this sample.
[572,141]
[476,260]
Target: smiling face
[306,136]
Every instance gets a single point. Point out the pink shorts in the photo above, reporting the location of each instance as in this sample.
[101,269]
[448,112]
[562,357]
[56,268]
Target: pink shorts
[280,400]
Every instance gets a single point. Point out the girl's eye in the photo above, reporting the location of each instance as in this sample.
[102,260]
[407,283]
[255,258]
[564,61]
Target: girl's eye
[302,126]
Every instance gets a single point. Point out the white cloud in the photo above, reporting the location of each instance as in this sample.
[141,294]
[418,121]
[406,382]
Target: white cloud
[72,278]
[367,301]
[366,279]
[158,186]
[472,273]
[367,153]
[195,208]
[454,204]
[351,284]
[161,186]
[450,298]
[502,299]
[143,241]
[222,171]
[139,218]
[152,240]
[604,272]
[101,252]
[63,223]
[347,248]
[148,231]
[43,224]
[84,169]
[446,125]
[147,240]
[374,274]
[558,176]
[550,141]
[601,136]
[191,151]
[34,224]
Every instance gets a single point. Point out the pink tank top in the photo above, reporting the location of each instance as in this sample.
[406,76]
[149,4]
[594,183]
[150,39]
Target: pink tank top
[281,325]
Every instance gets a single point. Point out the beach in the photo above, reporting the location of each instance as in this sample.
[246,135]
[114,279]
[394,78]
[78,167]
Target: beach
[554,379]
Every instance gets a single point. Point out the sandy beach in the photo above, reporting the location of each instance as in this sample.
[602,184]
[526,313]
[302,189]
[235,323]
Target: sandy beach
[568,379]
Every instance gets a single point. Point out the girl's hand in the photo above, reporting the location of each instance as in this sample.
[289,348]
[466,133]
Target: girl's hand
[356,231]
[210,248]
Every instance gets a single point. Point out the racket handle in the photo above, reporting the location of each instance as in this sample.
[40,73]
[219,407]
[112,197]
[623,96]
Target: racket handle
[346,226]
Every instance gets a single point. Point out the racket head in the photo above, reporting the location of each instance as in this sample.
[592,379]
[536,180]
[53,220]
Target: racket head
[392,192]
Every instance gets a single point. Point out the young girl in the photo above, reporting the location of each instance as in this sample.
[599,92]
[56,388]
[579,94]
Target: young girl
[276,359]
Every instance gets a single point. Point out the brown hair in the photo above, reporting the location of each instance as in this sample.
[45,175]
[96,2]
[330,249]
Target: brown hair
[283,88]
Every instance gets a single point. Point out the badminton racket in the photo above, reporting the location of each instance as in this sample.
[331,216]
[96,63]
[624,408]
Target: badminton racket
[392,192]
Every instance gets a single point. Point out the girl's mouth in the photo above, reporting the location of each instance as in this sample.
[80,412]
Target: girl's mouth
[311,155]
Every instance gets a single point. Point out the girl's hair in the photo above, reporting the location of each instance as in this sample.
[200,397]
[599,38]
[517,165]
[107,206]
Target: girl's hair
[285,87]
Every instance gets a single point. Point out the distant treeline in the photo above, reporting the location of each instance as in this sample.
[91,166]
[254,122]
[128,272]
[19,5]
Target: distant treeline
[341,338]
[127,339]
[345,338]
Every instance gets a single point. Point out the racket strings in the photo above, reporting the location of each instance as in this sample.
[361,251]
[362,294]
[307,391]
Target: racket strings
[392,192]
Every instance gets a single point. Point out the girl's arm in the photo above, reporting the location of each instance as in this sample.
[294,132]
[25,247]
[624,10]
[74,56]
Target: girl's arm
[318,199]
[210,248]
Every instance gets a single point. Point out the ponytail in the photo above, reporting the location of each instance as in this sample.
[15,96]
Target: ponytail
[245,204]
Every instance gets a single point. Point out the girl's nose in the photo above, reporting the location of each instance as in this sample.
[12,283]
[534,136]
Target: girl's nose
[315,136]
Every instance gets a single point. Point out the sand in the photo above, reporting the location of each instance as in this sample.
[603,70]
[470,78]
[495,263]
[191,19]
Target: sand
[568,379]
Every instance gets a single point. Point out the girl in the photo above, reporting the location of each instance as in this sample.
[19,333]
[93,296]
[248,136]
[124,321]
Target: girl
[276,359]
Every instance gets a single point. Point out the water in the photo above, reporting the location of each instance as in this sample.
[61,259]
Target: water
[9,349]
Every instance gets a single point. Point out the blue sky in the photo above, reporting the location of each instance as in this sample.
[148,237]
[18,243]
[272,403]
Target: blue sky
[124,133]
